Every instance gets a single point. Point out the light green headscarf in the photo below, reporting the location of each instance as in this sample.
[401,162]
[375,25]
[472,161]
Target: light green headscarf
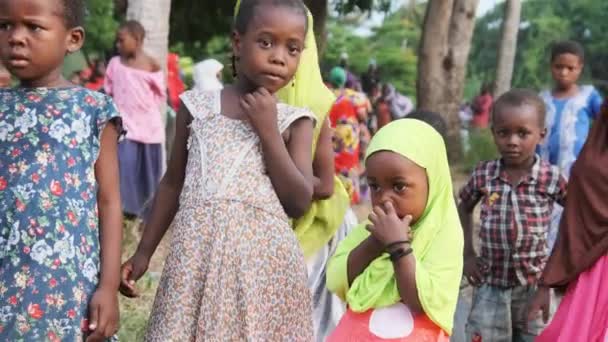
[324,217]
[437,243]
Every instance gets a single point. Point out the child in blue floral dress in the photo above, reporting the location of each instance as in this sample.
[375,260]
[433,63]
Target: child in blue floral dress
[571,109]
[60,214]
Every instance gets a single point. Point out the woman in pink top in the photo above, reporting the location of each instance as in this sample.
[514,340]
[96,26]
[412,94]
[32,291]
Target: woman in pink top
[137,84]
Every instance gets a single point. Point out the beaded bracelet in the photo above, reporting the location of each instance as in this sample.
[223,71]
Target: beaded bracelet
[400,253]
[396,243]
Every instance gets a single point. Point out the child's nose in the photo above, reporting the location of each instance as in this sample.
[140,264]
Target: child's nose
[278,57]
[17,36]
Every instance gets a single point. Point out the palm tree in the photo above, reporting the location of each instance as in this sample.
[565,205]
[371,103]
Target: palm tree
[508,47]
[444,52]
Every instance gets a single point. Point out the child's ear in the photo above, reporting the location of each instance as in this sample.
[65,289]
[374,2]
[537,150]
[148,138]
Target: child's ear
[236,43]
[543,134]
[75,39]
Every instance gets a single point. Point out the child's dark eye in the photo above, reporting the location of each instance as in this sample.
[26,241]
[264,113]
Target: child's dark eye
[523,134]
[399,187]
[294,50]
[34,27]
[374,187]
[265,43]
[5,26]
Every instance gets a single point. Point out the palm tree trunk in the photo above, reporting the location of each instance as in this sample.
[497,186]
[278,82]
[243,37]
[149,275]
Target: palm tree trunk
[444,53]
[508,47]
[154,16]
[318,8]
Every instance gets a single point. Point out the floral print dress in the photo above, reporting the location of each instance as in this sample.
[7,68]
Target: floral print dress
[235,271]
[49,234]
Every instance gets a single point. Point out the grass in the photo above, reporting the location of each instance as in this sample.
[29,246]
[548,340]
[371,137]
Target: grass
[134,313]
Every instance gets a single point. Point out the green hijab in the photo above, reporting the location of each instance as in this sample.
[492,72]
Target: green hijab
[308,90]
[437,242]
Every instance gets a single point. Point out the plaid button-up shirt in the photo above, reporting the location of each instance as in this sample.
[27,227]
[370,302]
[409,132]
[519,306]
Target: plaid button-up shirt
[514,220]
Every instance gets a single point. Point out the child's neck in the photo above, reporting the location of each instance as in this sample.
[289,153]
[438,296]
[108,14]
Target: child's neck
[243,86]
[137,55]
[54,79]
[565,92]
[517,172]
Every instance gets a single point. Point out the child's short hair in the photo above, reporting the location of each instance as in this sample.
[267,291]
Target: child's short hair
[433,119]
[135,28]
[74,12]
[520,97]
[247,9]
[568,46]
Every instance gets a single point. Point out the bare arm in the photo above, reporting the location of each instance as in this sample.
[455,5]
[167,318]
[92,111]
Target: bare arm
[466,219]
[323,164]
[405,273]
[166,201]
[110,211]
[290,167]
[386,229]
[103,311]
[362,256]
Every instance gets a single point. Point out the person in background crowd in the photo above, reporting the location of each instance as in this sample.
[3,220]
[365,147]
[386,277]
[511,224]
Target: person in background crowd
[75,78]
[5,77]
[352,82]
[481,106]
[208,75]
[94,77]
[400,105]
[348,116]
[329,218]
[571,109]
[175,83]
[137,84]
[371,79]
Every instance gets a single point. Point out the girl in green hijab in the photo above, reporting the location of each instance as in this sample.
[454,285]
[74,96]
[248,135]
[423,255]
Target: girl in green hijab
[399,273]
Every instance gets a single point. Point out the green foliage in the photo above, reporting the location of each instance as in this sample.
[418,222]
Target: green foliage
[195,23]
[347,6]
[482,147]
[393,45]
[542,24]
[100,26]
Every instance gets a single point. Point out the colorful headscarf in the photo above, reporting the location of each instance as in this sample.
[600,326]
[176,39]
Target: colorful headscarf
[437,243]
[324,217]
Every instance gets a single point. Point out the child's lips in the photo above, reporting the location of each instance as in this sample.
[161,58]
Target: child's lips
[18,61]
[512,154]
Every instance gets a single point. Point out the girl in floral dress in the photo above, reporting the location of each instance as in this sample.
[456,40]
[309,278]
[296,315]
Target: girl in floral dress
[241,165]
[60,216]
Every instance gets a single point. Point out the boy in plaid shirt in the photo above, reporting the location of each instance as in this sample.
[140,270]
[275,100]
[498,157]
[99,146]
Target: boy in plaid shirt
[517,193]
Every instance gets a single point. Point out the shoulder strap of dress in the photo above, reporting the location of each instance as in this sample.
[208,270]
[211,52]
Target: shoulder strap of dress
[201,104]
[289,114]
